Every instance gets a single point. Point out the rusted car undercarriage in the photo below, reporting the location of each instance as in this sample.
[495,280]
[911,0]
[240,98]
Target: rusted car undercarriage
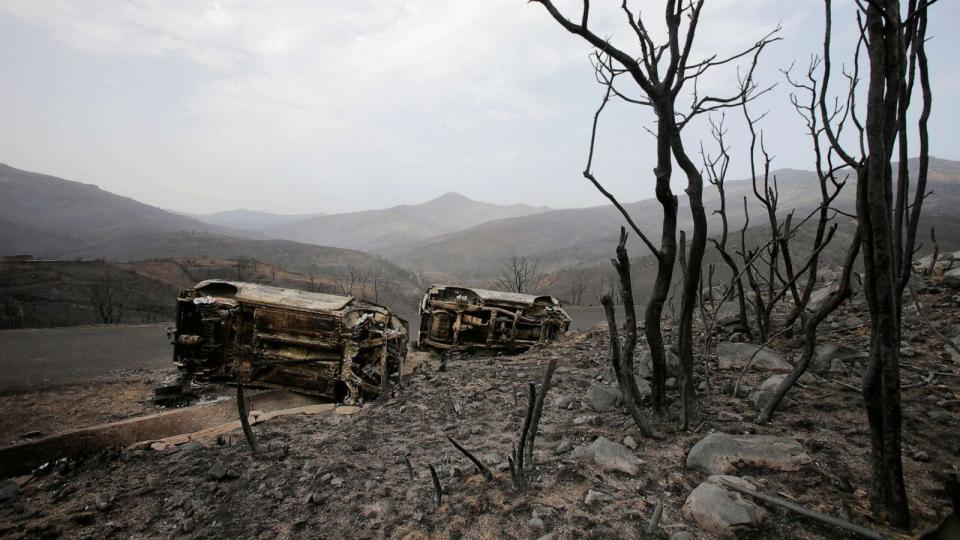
[467,318]
[320,344]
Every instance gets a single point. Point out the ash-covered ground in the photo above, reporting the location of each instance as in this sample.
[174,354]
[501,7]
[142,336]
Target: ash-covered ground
[346,475]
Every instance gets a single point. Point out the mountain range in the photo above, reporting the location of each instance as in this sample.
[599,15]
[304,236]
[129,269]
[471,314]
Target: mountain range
[448,238]
[379,230]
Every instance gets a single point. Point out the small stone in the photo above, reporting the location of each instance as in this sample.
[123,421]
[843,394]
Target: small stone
[188,525]
[476,430]
[921,456]
[609,456]
[103,501]
[326,477]
[670,383]
[853,322]
[562,402]
[217,471]
[159,446]
[630,442]
[9,490]
[564,447]
[940,415]
[682,535]
[594,497]
[336,482]
[535,523]
[587,419]
[721,511]
[603,397]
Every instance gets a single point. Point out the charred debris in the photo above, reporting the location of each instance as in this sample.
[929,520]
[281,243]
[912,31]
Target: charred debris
[463,318]
[336,347]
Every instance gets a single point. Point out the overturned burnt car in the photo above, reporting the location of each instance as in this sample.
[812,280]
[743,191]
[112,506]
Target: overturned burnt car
[467,318]
[332,346]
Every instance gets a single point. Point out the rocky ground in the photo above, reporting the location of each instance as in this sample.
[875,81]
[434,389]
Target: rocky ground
[346,475]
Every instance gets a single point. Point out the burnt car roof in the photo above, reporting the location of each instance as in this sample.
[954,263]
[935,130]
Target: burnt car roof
[503,296]
[276,296]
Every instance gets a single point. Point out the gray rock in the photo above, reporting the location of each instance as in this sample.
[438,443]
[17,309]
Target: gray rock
[764,393]
[736,355]
[535,523]
[336,481]
[826,353]
[9,490]
[562,402]
[603,397]
[104,501]
[644,388]
[670,383]
[645,365]
[940,415]
[591,419]
[682,535]
[217,471]
[564,447]
[721,511]
[630,442]
[819,296]
[951,278]
[594,497]
[609,456]
[722,453]
[853,322]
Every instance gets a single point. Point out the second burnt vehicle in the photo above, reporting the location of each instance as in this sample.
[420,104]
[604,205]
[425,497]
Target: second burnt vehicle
[337,347]
[463,318]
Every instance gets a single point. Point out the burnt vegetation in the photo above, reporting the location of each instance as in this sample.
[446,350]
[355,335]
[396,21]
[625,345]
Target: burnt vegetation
[775,344]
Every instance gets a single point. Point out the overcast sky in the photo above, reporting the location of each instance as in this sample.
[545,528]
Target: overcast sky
[303,106]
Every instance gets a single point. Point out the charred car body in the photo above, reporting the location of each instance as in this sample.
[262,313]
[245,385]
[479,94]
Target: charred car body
[467,318]
[332,346]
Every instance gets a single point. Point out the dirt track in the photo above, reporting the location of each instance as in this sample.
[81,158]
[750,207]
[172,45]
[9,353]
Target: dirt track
[37,358]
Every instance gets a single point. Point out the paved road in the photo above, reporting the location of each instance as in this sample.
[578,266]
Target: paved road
[52,356]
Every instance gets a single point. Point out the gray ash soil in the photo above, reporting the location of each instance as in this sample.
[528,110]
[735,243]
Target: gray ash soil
[344,475]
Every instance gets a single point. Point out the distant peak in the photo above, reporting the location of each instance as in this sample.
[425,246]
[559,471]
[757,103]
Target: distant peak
[451,197]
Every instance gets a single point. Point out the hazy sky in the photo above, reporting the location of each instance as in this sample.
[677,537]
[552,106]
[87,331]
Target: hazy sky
[301,106]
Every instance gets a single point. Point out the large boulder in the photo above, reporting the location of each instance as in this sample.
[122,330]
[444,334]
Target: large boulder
[645,365]
[764,393]
[951,278]
[720,511]
[722,453]
[736,355]
[609,456]
[826,353]
[603,397]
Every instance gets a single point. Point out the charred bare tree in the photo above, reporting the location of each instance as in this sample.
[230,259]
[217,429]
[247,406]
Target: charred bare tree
[622,359]
[243,413]
[888,217]
[661,72]
[716,169]
[109,297]
[523,275]
[578,286]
